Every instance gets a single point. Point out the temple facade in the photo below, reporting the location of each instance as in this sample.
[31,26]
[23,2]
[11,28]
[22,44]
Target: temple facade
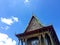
[38,34]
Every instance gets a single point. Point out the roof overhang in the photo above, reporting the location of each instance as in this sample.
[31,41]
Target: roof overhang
[47,28]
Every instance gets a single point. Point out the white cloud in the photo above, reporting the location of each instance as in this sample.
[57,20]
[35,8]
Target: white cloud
[5,40]
[7,27]
[9,21]
[4,27]
[15,19]
[6,21]
[26,1]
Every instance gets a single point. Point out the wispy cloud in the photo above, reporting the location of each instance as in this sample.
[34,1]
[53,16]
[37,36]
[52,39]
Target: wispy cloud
[9,21]
[4,27]
[6,20]
[26,1]
[6,40]
[15,19]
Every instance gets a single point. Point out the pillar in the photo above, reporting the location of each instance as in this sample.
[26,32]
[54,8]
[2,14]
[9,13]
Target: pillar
[25,41]
[44,39]
[51,39]
[19,42]
[39,40]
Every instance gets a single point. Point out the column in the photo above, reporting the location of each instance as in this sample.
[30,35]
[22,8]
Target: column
[39,40]
[51,39]
[25,41]
[44,39]
[19,42]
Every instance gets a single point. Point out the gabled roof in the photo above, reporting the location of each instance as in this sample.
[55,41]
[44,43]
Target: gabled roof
[33,24]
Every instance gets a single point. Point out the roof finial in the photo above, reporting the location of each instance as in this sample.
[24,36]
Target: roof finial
[33,14]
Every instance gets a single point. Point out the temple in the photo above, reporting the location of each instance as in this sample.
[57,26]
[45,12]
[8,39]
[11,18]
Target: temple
[38,34]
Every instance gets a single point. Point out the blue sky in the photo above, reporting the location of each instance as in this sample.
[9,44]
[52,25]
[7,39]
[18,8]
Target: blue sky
[15,15]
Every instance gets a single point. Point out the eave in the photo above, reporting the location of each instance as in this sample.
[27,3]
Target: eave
[47,28]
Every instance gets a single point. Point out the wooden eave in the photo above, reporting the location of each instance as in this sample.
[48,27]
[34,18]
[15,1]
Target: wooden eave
[48,28]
